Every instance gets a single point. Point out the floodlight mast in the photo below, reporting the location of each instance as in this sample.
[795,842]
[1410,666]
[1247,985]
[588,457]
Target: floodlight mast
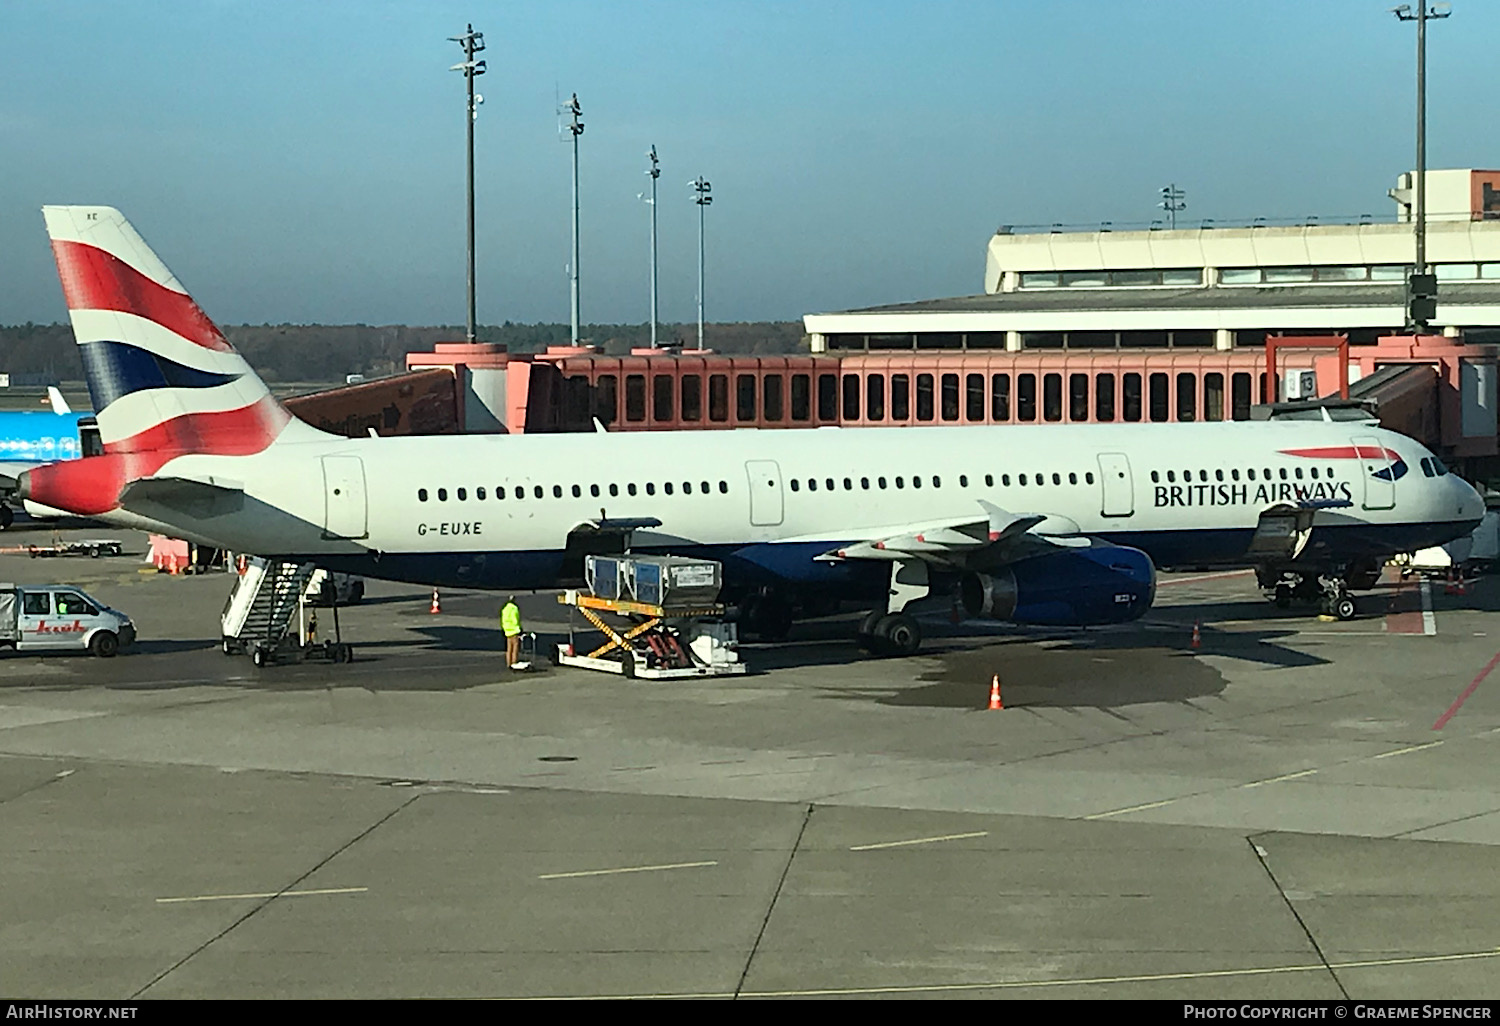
[1421,301]
[472,42]
[1173,200]
[703,198]
[654,173]
[576,128]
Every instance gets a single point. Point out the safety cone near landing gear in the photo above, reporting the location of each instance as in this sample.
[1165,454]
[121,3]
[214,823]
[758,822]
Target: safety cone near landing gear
[1197,636]
[995,702]
[437,607]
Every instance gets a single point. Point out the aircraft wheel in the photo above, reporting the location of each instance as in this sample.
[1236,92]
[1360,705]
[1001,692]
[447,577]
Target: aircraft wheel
[1283,597]
[865,636]
[899,634]
[6,517]
[1343,607]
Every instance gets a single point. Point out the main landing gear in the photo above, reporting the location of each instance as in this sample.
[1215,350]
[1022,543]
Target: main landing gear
[892,631]
[889,634]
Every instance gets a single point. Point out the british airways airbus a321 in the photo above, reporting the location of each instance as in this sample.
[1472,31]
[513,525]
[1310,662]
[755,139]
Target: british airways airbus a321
[1057,525]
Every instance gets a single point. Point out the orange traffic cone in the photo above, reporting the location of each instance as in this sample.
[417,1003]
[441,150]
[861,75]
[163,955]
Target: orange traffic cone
[437,607]
[1197,637]
[172,564]
[995,702]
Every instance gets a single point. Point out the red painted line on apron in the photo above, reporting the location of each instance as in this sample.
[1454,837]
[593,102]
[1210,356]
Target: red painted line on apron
[1442,720]
[1404,610]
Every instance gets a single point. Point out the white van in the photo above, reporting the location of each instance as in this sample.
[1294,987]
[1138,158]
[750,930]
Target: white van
[57,617]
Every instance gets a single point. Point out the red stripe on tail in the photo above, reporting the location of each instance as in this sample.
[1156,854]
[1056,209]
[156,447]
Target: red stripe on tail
[242,432]
[95,280]
[93,484]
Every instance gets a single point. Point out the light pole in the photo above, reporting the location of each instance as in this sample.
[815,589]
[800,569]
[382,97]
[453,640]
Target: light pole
[1173,199]
[654,173]
[1421,288]
[576,127]
[472,42]
[703,198]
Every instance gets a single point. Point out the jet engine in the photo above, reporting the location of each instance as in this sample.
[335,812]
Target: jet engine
[1066,588]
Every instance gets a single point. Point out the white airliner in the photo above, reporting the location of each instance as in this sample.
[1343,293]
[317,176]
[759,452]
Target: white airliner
[1044,525]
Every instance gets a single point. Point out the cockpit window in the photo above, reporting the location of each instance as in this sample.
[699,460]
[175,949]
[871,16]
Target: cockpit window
[1427,470]
[1437,465]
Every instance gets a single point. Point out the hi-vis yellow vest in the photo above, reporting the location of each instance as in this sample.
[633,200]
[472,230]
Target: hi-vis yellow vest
[510,619]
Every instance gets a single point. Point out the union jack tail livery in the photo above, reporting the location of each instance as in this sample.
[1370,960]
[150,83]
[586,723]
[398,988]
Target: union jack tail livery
[164,381]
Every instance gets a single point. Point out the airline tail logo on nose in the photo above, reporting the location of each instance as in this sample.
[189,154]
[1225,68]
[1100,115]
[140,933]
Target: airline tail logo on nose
[1393,467]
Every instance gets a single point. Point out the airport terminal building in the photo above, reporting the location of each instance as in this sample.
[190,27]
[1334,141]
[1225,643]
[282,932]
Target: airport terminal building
[1207,287]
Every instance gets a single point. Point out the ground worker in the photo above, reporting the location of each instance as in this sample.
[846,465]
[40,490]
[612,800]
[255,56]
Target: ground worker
[510,623]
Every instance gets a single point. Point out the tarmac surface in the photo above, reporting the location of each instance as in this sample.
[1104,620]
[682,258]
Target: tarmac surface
[1296,809]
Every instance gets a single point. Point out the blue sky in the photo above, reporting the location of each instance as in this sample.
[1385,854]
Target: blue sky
[301,162]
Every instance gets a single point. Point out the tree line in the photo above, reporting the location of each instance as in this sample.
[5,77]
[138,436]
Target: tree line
[329,352]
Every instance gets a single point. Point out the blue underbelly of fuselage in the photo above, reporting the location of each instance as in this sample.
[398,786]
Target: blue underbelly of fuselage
[747,567]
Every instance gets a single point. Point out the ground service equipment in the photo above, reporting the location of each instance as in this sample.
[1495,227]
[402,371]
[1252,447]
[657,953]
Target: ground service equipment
[659,616]
[257,616]
[56,617]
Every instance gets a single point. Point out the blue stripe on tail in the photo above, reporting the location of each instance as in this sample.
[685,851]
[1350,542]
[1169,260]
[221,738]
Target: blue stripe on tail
[116,369]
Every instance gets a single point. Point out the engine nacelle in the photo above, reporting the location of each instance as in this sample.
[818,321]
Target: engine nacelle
[1067,588]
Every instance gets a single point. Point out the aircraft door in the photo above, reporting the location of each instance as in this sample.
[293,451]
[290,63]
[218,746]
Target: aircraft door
[1378,467]
[1118,489]
[765,492]
[344,512]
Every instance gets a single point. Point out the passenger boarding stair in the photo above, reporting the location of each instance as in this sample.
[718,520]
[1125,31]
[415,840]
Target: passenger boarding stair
[261,607]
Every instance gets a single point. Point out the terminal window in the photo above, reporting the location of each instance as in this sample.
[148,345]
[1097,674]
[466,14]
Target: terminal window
[1158,408]
[771,405]
[635,397]
[851,397]
[924,397]
[875,397]
[1000,398]
[801,397]
[1131,387]
[950,396]
[662,405]
[1104,397]
[692,397]
[828,398]
[744,397]
[1026,397]
[974,398]
[1052,397]
[900,398]
[718,397]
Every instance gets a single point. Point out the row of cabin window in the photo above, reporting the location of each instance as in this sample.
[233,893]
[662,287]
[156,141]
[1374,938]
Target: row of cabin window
[1234,475]
[830,484]
[596,491]
[949,397]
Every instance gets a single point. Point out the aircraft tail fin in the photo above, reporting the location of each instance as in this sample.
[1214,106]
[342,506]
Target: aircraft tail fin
[161,374]
[57,402]
[163,379]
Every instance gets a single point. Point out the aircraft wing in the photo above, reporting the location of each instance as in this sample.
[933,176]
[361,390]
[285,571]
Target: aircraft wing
[161,497]
[995,536]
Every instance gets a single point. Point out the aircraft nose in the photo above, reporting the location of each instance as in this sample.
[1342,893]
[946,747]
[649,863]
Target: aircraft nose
[1470,502]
